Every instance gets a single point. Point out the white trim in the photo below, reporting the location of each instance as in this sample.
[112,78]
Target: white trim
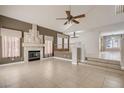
[83,61]
[46,58]
[8,64]
[74,63]
[63,58]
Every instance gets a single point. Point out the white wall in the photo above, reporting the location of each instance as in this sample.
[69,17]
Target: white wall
[91,42]
[90,38]
[99,15]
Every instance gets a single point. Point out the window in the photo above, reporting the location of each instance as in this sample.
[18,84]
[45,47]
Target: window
[112,41]
[10,42]
[65,43]
[62,41]
[10,46]
[48,46]
[59,43]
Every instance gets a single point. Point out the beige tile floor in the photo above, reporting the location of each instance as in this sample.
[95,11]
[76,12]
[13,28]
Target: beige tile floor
[108,55]
[54,73]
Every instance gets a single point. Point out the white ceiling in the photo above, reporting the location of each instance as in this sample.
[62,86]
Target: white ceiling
[45,15]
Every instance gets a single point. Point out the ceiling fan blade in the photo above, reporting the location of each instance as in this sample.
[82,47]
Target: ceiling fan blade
[79,16]
[65,22]
[61,18]
[75,21]
[68,13]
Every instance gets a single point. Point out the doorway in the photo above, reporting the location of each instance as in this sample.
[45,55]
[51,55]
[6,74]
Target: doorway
[110,47]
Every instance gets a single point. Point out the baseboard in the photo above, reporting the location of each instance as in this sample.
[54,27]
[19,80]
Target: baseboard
[74,63]
[83,61]
[20,62]
[62,58]
[46,58]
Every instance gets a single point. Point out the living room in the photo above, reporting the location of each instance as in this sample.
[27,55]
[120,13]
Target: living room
[61,46]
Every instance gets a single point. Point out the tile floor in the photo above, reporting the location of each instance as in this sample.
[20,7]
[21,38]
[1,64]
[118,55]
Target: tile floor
[113,55]
[108,55]
[54,73]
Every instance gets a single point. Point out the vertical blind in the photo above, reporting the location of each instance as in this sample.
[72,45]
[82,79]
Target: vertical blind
[59,43]
[10,42]
[65,43]
[10,46]
[48,46]
[119,9]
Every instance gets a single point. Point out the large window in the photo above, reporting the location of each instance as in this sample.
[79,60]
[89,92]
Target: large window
[10,46]
[62,41]
[10,42]
[112,42]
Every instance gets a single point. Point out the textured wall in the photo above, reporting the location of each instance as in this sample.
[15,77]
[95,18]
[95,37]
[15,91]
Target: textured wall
[11,23]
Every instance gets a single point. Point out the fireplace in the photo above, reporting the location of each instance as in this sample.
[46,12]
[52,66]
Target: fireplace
[33,55]
[33,45]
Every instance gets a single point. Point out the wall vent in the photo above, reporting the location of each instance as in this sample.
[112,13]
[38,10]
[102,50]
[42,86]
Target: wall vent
[119,9]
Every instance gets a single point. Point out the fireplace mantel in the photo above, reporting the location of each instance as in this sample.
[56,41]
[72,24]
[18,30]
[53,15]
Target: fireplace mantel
[32,45]
[33,41]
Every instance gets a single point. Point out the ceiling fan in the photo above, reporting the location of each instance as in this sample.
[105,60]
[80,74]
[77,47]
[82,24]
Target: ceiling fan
[71,18]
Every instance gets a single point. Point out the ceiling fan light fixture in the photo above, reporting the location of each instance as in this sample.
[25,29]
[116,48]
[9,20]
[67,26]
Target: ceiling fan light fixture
[71,19]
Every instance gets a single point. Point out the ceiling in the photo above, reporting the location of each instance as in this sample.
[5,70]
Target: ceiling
[45,15]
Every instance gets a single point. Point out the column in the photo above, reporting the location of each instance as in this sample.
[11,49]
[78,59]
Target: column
[83,53]
[122,54]
[74,54]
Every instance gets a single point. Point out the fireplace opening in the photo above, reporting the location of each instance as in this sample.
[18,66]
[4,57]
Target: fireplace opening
[33,55]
